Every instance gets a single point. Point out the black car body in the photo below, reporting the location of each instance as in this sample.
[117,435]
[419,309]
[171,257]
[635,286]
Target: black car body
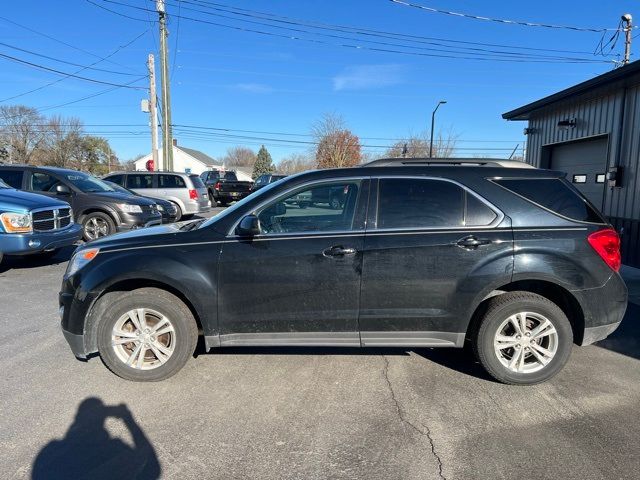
[165,207]
[417,256]
[266,179]
[97,207]
[224,187]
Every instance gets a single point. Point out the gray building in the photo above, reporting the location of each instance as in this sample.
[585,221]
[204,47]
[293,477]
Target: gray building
[592,132]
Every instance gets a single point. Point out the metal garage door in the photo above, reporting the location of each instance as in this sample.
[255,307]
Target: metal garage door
[586,164]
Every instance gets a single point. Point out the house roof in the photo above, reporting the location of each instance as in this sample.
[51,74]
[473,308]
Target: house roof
[200,156]
[618,75]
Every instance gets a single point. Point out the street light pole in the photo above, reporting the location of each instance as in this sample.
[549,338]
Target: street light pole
[433,119]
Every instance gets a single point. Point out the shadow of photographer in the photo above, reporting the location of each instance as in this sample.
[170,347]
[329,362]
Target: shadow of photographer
[89,451]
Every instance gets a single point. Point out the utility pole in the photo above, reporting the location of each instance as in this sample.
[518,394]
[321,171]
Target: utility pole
[627,19]
[433,120]
[167,141]
[153,113]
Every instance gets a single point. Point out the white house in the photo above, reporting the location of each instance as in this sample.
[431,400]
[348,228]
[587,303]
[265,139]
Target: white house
[185,160]
[189,160]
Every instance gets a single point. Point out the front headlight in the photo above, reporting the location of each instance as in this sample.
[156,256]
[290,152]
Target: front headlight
[80,259]
[128,208]
[16,222]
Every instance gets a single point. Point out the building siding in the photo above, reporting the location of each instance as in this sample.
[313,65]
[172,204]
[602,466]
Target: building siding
[613,111]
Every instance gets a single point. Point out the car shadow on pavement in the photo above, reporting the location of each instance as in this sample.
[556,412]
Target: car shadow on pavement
[626,339]
[15,262]
[89,451]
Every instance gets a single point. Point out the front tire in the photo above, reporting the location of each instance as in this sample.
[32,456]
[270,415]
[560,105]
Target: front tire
[146,335]
[97,225]
[178,212]
[523,338]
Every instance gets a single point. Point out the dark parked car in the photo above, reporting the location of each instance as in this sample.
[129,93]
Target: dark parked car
[266,179]
[165,207]
[512,261]
[224,187]
[32,224]
[97,207]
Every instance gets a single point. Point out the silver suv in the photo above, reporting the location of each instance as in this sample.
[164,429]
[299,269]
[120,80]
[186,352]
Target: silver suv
[185,190]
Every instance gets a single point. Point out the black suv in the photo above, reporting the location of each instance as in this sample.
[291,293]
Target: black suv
[512,261]
[96,206]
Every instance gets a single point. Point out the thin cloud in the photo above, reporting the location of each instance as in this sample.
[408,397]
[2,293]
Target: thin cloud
[362,77]
[253,87]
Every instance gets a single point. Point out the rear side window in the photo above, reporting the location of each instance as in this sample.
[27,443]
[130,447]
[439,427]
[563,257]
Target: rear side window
[170,181]
[43,182]
[197,182]
[556,195]
[414,203]
[139,180]
[231,176]
[13,178]
[119,179]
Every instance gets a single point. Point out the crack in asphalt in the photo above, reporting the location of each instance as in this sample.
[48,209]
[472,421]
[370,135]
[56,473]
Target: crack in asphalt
[401,415]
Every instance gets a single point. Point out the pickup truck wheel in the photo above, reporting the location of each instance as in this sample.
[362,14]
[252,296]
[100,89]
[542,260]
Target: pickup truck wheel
[223,203]
[178,212]
[97,225]
[523,338]
[146,335]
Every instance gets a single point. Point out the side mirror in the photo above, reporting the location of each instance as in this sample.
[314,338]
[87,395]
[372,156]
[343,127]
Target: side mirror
[63,190]
[249,226]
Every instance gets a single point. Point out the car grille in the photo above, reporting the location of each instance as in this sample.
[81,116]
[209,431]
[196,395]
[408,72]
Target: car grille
[54,219]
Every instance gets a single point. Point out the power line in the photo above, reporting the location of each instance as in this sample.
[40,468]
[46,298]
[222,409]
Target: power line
[361,31]
[453,55]
[66,74]
[114,11]
[42,34]
[501,20]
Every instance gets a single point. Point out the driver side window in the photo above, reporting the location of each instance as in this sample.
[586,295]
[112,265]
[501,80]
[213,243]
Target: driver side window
[42,182]
[326,207]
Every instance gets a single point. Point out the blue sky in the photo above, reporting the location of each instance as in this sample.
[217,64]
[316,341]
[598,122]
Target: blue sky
[228,77]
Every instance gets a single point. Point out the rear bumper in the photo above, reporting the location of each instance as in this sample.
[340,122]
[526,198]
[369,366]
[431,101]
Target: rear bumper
[196,206]
[603,308]
[24,244]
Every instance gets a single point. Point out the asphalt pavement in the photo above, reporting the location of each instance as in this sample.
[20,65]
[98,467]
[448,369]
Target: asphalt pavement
[291,413]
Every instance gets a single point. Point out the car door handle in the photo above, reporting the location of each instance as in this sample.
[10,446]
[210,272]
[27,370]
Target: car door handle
[339,251]
[472,242]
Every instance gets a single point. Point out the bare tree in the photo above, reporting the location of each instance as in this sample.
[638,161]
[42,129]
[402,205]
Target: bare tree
[62,139]
[417,146]
[336,147]
[295,163]
[22,132]
[239,157]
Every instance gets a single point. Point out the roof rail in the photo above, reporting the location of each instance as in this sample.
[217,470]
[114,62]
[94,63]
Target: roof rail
[447,162]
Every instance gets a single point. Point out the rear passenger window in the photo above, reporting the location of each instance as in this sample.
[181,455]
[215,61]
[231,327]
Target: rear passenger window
[478,213]
[197,181]
[556,195]
[13,178]
[415,203]
[119,179]
[170,181]
[139,181]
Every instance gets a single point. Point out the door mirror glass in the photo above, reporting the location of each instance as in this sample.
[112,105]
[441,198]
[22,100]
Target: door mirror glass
[62,189]
[249,226]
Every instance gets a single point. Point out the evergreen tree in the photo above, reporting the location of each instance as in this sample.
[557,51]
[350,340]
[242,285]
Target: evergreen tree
[264,163]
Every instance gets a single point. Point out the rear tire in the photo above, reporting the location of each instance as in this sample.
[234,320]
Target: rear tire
[178,212]
[523,338]
[164,339]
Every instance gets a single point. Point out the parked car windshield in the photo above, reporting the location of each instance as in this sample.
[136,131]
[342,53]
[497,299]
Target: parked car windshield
[87,183]
[120,188]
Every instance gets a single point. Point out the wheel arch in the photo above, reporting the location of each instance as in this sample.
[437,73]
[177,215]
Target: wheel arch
[559,295]
[99,306]
[98,209]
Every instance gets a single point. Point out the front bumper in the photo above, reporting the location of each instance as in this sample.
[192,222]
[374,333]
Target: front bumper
[36,242]
[603,308]
[132,221]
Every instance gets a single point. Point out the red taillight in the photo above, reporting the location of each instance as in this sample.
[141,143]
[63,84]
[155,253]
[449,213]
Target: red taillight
[217,186]
[607,244]
[193,195]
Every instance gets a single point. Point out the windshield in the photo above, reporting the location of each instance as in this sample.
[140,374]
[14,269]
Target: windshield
[119,188]
[87,183]
[240,204]
[3,185]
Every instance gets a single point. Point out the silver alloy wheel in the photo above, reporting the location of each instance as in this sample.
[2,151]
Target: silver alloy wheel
[143,339]
[526,342]
[96,227]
